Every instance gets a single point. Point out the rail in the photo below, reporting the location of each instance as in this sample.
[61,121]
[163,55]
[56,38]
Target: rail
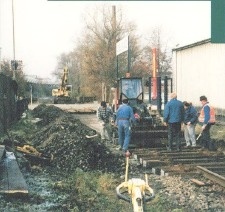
[212,176]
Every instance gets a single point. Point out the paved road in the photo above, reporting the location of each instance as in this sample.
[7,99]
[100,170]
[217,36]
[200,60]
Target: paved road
[88,119]
[72,107]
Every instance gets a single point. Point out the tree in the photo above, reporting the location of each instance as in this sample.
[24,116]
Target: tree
[164,55]
[93,60]
[19,76]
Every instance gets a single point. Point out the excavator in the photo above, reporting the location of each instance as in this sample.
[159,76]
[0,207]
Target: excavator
[149,129]
[62,95]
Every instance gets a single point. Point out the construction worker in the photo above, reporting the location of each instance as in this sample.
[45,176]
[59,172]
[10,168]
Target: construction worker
[173,117]
[206,119]
[104,115]
[190,120]
[124,116]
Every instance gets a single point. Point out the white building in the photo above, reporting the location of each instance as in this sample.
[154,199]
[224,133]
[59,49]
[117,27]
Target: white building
[199,69]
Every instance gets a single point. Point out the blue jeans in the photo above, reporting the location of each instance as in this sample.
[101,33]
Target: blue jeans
[124,134]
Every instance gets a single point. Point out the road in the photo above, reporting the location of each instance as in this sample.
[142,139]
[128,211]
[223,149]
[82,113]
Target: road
[72,107]
[89,119]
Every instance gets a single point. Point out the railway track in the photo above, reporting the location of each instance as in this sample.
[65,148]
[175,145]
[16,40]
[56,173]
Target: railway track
[158,160]
[188,162]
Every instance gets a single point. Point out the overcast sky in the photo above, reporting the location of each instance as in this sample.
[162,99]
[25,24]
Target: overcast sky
[45,29]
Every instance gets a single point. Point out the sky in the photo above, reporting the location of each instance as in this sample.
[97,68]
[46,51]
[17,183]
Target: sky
[43,30]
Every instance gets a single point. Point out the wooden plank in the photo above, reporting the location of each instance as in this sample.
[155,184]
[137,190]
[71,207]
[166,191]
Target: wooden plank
[2,152]
[12,181]
[200,183]
[153,163]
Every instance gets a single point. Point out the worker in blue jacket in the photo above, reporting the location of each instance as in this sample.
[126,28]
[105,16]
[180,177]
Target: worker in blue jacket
[173,117]
[124,116]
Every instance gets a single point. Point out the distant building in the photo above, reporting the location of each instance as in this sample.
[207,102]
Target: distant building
[199,69]
[41,87]
[40,80]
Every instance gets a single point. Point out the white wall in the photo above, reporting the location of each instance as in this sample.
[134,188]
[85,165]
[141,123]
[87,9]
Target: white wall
[200,70]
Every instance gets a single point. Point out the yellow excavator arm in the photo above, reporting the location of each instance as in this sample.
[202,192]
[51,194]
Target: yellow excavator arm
[65,88]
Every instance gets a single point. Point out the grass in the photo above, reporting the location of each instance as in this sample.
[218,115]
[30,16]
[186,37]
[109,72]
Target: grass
[21,128]
[95,191]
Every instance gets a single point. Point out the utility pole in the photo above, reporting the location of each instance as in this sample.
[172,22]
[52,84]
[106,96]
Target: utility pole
[114,38]
[0,60]
[14,54]
[0,44]
[114,96]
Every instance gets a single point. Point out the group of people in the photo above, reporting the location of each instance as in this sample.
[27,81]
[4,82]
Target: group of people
[177,113]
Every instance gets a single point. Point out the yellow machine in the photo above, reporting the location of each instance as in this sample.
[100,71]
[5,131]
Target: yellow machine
[135,191]
[63,93]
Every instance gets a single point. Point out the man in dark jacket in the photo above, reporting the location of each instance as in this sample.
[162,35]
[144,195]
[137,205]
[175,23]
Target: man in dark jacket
[173,117]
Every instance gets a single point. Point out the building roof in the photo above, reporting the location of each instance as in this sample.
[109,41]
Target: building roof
[192,45]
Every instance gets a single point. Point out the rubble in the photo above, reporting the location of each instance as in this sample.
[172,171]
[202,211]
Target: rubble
[65,137]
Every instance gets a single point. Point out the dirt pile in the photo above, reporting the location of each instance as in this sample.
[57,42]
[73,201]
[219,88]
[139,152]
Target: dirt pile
[63,136]
[47,114]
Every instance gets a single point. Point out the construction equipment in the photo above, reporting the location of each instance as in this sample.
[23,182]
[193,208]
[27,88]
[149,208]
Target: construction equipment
[135,191]
[62,95]
[149,128]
